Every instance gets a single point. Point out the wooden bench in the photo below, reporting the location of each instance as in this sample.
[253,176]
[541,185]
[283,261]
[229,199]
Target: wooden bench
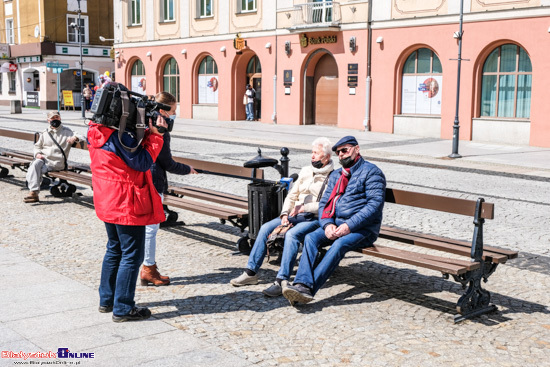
[13,159]
[230,208]
[475,261]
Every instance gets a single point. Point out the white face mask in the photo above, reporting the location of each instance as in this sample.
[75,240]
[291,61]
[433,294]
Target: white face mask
[173,117]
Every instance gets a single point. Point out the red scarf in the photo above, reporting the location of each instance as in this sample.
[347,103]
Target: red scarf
[338,191]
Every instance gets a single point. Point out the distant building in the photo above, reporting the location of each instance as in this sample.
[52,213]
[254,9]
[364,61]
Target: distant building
[37,32]
[386,65]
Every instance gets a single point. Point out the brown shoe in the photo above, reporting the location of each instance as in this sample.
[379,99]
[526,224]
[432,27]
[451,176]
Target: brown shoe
[32,198]
[150,274]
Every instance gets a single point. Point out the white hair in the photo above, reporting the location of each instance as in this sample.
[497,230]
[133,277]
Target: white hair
[323,143]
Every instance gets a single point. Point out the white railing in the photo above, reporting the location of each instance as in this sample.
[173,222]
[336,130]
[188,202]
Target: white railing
[317,13]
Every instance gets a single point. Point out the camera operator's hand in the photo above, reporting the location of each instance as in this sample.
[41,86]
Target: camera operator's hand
[160,122]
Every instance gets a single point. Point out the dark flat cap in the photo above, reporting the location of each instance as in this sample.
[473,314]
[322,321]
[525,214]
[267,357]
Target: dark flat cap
[345,140]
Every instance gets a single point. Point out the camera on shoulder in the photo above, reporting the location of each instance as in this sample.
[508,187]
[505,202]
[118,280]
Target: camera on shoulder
[114,105]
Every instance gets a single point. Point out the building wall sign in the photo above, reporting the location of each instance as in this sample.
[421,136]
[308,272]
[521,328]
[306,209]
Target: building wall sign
[29,59]
[4,51]
[239,43]
[306,41]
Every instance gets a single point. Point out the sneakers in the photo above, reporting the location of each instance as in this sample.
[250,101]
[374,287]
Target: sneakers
[105,309]
[275,289]
[297,293]
[244,279]
[137,314]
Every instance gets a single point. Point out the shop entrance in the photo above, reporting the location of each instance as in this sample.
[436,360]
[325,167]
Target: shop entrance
[321,90]
[254,78]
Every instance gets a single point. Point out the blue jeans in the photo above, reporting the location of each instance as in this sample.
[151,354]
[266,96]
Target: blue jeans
[120,268]
[250,111]
[314,278]
[151,242]
[293,238]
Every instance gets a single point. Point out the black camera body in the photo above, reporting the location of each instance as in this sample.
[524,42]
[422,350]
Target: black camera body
[107,108]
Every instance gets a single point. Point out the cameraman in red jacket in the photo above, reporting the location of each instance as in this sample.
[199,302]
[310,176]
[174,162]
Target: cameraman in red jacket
[126,200]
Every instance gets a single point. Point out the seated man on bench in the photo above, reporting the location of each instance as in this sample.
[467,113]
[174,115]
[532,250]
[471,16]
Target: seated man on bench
[50,153]
[350,215]
[301,202]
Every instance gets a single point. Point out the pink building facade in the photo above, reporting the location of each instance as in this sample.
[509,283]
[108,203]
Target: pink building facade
[308,72]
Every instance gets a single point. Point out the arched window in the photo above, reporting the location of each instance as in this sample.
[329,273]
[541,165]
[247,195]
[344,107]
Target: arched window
[506,83]
[254,66]
[171,78]
[138,77]
[422,78]
[208,81]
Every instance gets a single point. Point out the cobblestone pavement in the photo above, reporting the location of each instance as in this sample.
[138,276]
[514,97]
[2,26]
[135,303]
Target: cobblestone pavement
[371,312]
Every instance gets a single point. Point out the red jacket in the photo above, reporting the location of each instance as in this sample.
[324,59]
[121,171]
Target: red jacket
[123,186]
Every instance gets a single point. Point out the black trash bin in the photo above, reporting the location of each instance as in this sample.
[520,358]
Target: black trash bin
[265,202]
[265,198]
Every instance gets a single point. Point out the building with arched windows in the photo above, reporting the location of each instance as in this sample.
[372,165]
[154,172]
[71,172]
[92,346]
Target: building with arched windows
[386,65]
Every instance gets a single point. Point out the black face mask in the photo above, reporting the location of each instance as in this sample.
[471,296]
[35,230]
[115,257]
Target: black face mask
[55,123]
[347,162]
[317,164]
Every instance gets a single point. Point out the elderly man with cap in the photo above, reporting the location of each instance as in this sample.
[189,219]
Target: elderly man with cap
[350,215]
[50,153]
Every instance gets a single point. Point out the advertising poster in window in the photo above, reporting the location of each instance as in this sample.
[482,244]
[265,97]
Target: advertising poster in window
[208,89]
[422,94]
[138,84]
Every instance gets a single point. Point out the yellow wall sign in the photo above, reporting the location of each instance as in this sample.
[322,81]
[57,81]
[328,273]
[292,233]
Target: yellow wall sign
[239,43]
[68,98]
[305,40]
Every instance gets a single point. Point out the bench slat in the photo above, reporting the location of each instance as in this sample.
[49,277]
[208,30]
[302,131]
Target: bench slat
[203,208]
[222,168]
[17,134]
[501,255]
[72,176]
[12,161]
[444,265]
[439,243]
[212,196]
[438,202]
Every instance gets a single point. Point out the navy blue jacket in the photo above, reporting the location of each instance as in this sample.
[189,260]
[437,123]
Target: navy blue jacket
[165,163]
[361,204]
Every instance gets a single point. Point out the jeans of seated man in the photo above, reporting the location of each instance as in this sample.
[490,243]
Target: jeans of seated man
[314,278]
[34,174]
[250,111]
[120,268]
[293,238]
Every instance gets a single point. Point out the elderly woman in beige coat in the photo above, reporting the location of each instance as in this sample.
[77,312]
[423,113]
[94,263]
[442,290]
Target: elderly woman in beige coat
[300,210]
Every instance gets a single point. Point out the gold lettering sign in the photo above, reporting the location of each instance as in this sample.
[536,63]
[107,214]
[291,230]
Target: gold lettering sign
[305,41]
[239,43]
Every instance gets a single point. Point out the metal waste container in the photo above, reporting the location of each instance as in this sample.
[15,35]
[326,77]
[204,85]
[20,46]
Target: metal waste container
[265,202]
[265,198]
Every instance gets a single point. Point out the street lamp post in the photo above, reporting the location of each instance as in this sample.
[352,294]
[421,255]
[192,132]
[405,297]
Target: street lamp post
[456,126]
[82,107]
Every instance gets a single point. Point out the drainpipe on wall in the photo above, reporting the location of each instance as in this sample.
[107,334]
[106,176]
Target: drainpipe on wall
[366,121]
[274,115]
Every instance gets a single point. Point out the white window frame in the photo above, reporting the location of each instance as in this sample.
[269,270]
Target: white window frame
[73,32]
[241,10]
[199,13]
[10,36]
[132,16]
[164,16]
